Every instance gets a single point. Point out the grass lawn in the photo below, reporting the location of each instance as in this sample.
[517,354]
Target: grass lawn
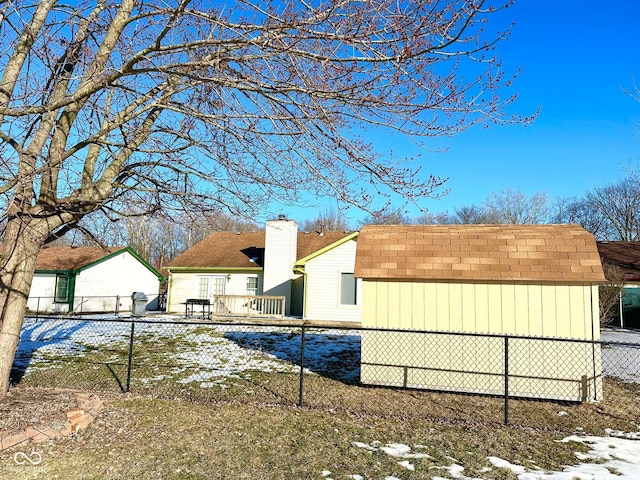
[141,437]
[211,404]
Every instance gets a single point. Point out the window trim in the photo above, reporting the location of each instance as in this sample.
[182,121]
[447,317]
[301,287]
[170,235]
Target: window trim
[57,298]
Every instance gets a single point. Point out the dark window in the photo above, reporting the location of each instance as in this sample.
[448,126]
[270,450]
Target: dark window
[62,289]
[348,289]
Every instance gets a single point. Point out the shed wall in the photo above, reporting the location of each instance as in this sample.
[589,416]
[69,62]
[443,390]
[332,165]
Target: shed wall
[538,368]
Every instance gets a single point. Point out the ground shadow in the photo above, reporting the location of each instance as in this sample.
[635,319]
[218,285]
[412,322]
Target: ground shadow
[37,334]
[332,355]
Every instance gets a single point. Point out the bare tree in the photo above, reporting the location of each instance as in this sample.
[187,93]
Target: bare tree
[618,204]
[187,105]
[514,207]
[473,214]
[609,292]
[583,213]
[388,216]
[428,218]
[329,219]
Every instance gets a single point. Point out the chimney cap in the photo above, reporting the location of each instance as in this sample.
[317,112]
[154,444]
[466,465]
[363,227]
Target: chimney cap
[282,216]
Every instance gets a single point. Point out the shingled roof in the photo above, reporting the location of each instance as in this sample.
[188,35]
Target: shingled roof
[546,253]
[71,258]
[236,250]
[625,255]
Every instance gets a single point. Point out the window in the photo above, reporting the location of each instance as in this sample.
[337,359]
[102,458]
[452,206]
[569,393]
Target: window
[348,289]
[203,287]
[62,289]
[210,285]
[252,285]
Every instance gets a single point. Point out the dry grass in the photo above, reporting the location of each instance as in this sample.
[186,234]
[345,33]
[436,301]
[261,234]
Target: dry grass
[253,430]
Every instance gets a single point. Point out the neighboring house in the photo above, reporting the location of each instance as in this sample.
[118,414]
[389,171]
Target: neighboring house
[626,256]
[519,280]
[91,279]
[313,271]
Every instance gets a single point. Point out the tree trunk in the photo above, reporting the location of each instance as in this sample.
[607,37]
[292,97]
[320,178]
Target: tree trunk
[21,245]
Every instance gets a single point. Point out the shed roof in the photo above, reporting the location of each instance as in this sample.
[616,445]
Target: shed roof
[625,255]
[495,253]
[63,257]
[235,250]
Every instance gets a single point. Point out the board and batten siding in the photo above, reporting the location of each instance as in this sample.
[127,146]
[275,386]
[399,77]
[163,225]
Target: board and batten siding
[323,285]
[559,311]
[538,368]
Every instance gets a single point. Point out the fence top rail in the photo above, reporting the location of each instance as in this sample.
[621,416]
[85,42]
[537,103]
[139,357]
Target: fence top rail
[301,324]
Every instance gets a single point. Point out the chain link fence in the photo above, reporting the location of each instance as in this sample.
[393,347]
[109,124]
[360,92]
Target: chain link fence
[355,369]
[89,304]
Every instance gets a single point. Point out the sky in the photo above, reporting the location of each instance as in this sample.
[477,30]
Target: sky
[576,59]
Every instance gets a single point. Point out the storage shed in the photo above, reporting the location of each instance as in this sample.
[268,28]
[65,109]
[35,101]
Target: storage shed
[471,286]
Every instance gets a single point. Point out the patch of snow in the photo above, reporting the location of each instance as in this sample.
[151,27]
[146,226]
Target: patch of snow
[399,450]
[500,463]
[407,465]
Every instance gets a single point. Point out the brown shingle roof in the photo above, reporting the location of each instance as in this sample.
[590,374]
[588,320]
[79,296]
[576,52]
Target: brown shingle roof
[234,250]
[625,255]
[70,258]
[546,253]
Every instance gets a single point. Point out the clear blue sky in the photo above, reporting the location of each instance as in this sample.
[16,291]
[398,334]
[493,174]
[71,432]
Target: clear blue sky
[576,58]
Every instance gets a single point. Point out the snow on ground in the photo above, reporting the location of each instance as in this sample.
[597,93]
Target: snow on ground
[614,457]
[208,354]
[205,354]
[622,361]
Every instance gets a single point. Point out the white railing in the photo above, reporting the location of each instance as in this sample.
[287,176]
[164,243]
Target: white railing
[248,305]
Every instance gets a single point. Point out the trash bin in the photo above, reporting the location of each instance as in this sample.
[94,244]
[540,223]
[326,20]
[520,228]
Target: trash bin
[138,304]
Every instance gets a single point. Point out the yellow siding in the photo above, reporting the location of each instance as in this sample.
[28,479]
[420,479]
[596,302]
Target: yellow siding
[538,368]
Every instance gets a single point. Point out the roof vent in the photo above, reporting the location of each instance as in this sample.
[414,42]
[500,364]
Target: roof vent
[282,216]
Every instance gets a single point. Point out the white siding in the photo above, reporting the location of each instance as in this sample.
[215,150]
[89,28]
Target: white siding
[323,285]
[42,294]
[121,275]
[183,285]
[281,239]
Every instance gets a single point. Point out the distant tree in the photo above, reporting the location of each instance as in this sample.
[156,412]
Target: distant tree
[329,219]
[428,218]
[581,212]
[514,207]
[609,292]
[618,204]
[473,214]
[388,216]
[156,238]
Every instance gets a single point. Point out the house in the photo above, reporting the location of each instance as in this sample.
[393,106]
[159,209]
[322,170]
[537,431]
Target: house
[496,280]
[626,256]
[91,279]
[311,271]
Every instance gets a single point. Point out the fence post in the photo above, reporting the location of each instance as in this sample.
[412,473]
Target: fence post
[38,309]
[131,336]
[117,305]
[506,380]
[301,367]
